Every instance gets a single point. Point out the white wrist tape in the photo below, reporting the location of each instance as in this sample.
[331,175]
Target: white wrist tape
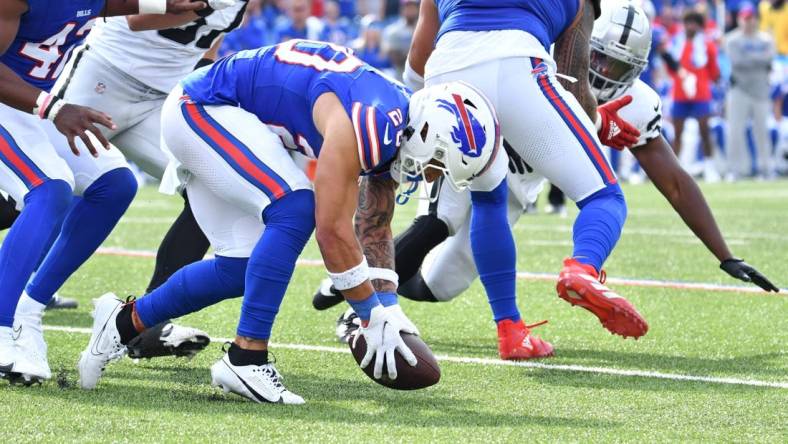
[385,274]
[351,278]
[411,78]
[152,6]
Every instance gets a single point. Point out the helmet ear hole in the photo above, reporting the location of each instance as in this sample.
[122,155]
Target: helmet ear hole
[424,131]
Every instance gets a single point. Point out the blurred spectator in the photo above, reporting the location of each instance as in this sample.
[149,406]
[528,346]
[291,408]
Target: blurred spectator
[774,19]
[397,36]
[390,10]
[751,53]
[347,8]
[300,24]
[368,47]
[256,29]
[335,29]
[691,61]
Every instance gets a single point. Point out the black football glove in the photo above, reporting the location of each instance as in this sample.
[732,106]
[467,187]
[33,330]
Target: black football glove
[516,163]
[745,272]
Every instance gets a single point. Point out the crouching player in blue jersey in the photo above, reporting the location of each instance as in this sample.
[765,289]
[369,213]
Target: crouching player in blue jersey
[40,168]
[229,128]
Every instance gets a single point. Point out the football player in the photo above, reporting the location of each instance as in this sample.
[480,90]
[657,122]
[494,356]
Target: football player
[40,168]
[503,49]
[128,65]
[229,128]
[620,45]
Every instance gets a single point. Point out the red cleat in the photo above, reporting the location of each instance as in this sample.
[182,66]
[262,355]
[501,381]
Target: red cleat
[579,284]
[515,341]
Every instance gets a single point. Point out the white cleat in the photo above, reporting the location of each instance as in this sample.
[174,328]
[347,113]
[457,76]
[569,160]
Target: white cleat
[14,366]
[104,346]
[260,383]
[29,341]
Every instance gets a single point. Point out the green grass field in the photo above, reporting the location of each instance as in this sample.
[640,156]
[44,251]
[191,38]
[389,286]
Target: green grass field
[719,334]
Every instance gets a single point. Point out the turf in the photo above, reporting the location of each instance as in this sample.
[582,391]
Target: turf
[701,333]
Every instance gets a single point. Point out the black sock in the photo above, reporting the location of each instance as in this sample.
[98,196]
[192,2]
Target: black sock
[412,245]
[184,243]
[240,357]
[416,289]
[125,325]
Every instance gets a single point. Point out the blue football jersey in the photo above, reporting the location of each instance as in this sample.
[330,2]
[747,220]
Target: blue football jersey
[280,84]
[544,19]
[47,34]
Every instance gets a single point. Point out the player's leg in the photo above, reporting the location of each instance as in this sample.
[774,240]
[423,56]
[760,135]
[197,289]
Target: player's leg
[737,117]
[8,212]
[559,141]
[38,180]
[760,131]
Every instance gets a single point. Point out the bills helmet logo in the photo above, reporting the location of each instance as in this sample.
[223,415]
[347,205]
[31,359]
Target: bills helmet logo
[468,133]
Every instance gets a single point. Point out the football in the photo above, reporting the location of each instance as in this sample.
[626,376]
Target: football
[426,372]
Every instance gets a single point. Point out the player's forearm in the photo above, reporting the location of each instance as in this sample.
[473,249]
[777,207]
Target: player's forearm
[145,22]
[341,252]
[572,58]
[683,193]
[15,92]
[373,226]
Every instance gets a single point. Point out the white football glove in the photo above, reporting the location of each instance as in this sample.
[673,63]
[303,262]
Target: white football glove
[382,336]
[221,4]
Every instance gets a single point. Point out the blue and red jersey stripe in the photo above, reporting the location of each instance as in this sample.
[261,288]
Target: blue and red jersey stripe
[581,133]
[234,152]
[364,120]
[16,160]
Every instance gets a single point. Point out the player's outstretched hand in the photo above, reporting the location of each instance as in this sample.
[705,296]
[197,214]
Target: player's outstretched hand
[382,335]
[746,272]
[614,131]
[75,120]
[177,6]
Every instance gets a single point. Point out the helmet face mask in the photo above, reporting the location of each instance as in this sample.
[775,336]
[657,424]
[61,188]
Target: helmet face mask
[620,45]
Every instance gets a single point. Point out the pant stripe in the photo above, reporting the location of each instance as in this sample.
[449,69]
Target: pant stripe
[234,152]
[15,159]
[582,135]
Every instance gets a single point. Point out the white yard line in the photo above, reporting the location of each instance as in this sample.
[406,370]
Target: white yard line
[524,275]
[524,364]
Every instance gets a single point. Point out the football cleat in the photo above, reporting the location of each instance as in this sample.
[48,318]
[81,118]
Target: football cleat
[515,341]
[29,341]
[347,323]
[60,303]
[326,296]
[15,366]
[260,383]
[104,346]
[579,284]
[168,339]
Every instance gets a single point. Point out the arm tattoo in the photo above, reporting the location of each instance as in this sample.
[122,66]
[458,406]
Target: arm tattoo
[373,225]
[572,57]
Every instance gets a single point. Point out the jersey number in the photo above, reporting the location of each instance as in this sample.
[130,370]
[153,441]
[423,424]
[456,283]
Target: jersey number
[47,53]
[318,55]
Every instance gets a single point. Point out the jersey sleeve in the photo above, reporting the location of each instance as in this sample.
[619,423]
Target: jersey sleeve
[378,136]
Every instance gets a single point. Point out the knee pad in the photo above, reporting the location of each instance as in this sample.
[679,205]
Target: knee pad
[57,193]
[610,198]
[412,245]
[293,212]
[497,196]
[117,186]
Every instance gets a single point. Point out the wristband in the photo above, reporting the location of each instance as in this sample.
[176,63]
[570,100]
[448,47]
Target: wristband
[364,308]
[47,106]
[385,274]
[152,6]
[351,278]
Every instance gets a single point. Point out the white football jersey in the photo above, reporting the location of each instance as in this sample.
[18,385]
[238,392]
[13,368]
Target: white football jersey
[161,58]
[645,112]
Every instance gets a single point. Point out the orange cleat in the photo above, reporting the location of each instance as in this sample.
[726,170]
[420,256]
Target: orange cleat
[515,341]
[579,284]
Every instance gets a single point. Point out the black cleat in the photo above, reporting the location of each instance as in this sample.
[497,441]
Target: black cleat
[61,303]
[168,339]
[326,296]
[347,324]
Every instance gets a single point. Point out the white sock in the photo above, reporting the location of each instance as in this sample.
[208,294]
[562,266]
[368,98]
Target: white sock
[29,306]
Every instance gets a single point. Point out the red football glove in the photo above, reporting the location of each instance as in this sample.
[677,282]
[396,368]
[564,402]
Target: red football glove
[614,131]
